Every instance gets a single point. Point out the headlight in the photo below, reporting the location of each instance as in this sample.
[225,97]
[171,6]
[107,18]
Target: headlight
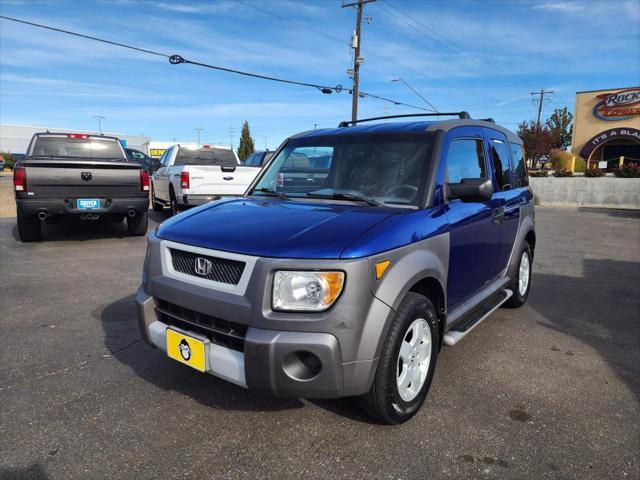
[306,291]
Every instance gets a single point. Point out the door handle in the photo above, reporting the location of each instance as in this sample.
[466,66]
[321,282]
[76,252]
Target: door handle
[497,215]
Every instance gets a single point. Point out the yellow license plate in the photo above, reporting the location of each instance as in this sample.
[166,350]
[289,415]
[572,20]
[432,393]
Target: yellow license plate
[186,349]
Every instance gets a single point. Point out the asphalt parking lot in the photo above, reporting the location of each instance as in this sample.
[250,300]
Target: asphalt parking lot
[548,391]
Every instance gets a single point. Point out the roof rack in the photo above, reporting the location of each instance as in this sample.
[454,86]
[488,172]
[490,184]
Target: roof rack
[490,120]
[346,123]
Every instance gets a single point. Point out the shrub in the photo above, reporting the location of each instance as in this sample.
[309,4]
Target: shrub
[561,160]
[8,161]
[594,172]
[563,173]
[581,164]
[538,173]
[630,170]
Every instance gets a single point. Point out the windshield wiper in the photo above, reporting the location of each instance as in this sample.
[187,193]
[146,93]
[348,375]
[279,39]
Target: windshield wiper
[346,196]
[272,192]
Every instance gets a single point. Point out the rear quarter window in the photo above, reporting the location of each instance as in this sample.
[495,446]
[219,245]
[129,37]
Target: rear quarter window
[520,178]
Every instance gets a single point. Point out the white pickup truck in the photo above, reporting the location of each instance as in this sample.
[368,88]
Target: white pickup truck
[190,176]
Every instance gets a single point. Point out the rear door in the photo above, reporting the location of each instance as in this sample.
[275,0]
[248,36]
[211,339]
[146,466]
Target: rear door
[505,193]
[474,232]
[161,177]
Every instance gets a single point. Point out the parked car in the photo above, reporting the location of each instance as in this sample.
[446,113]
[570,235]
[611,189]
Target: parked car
[305,170]
[191,176]
[78,175]
[419,231]
[258,159]
[15,158]
[2,163]
[149,163]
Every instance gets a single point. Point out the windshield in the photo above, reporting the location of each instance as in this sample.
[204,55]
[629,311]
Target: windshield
[387,169]
[206,156]
[77,146]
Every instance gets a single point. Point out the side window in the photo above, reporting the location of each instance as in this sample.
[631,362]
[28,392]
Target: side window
[466,160]
[166,157]
[501,165]
[520,168]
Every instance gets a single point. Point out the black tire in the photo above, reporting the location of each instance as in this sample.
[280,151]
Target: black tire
[517,299]
[383,401]
[29,228]
[138,225]
[157,207]
[175,208]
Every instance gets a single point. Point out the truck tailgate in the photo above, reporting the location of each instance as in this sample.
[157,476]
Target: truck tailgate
[212,180]
[73,179]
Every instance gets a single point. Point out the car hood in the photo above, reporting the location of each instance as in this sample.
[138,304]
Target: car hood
[273,228]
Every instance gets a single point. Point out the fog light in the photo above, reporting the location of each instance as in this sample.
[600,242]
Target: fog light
[302,365]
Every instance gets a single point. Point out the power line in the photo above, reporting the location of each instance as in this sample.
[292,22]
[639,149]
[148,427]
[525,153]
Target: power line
[369,53]
[438,37]
[177,59]
[289,20]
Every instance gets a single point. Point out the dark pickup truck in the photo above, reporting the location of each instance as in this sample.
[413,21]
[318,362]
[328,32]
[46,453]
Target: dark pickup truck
[78,175]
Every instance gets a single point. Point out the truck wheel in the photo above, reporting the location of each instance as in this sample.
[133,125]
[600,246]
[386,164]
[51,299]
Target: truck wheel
[138,225]
[29,228]
[406,364]
[157,207]
[521,282]
[175,208]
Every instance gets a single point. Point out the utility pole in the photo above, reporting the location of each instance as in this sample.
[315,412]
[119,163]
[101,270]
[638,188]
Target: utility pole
[199,130]
[357,60]
[541,93]
[265,143]
[315,126]
[231,136]
[99,122]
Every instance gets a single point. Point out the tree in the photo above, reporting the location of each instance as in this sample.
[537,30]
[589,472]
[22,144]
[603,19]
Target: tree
[559,123]
[538,141]
[246,147]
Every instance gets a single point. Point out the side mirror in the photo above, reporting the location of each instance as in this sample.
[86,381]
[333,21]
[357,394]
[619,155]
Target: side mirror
[471,190]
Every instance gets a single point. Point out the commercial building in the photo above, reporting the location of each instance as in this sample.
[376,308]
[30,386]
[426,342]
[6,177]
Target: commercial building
[16,138]
[606,126]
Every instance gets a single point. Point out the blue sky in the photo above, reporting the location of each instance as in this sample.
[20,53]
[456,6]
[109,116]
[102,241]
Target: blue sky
[480,56]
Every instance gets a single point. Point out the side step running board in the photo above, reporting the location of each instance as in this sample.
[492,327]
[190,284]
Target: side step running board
[476,317]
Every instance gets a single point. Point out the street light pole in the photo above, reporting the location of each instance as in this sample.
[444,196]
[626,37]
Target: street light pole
[199,130]
[99,122]
[417,93]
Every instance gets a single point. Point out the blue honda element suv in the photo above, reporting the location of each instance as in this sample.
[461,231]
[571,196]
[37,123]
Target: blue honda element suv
[353,257]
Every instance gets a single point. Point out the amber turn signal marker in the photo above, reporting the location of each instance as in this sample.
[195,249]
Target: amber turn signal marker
[381,267]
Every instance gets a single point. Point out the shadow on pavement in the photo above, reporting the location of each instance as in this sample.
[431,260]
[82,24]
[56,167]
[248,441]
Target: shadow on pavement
[35,472]
[601,309]
[612,213]
[123,340]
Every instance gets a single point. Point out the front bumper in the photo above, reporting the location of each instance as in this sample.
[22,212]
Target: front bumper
[270,363]
[66,206]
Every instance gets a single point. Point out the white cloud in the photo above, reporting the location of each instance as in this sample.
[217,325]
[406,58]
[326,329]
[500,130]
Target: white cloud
[566,7]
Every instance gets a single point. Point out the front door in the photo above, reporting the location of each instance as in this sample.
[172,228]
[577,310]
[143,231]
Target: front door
[474,227]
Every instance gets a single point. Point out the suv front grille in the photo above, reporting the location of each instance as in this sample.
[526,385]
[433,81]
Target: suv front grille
[221,270]
[218,331]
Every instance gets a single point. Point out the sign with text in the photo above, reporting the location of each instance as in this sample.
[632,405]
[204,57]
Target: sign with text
[621,133]
[619,105]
